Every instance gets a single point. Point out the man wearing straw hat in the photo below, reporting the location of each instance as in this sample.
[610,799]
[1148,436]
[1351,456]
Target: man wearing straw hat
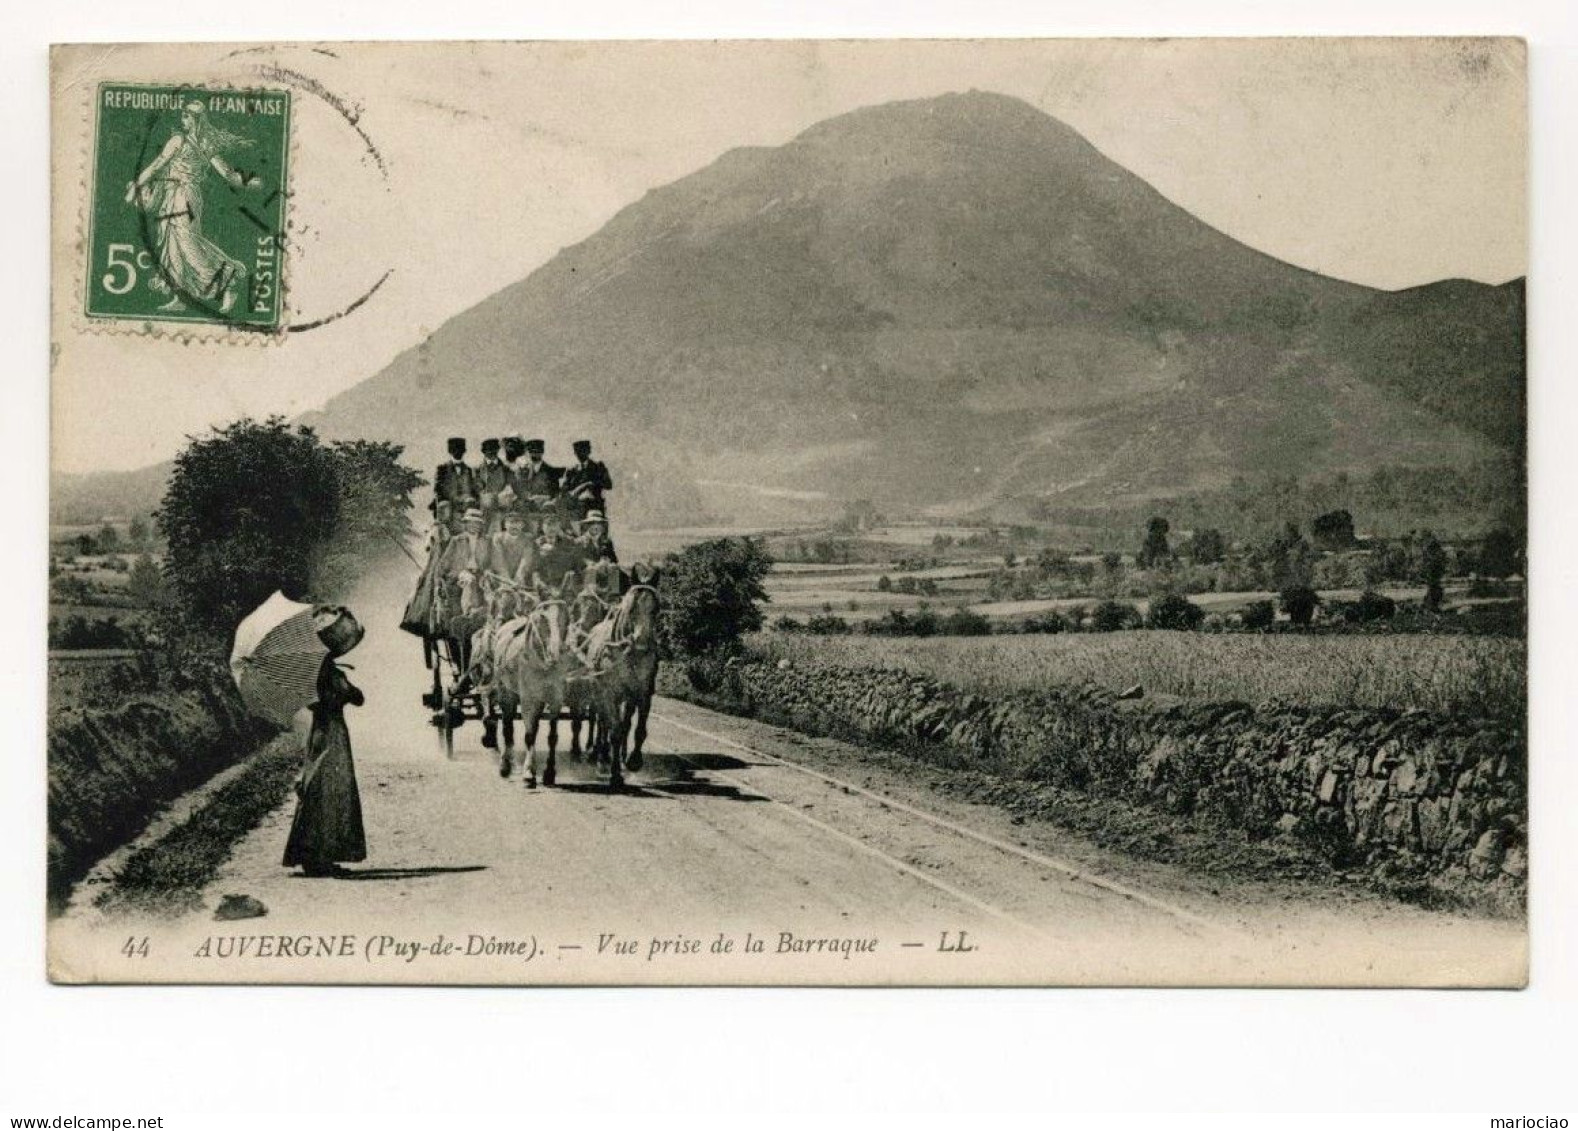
[466,559]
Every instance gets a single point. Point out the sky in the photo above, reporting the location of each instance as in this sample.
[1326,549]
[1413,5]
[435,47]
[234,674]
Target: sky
[449,171]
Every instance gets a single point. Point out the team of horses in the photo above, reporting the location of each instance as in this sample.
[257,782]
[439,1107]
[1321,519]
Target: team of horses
[546,655]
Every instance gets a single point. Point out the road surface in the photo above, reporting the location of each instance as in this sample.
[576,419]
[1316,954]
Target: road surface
[740,853]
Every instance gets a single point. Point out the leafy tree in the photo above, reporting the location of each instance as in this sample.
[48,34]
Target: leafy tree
[1259,615]
[1299,603]
[109,539]
[1052,563]
[145,583]
[137,533]
[258,506]
[375,492]
[1499,553]
[884,584]
[1114,616]
[1174,611]
[1333,531]
[712,595]
[1207,546]
[247,510]
[1371,606]
[1155,551]
[1432,568]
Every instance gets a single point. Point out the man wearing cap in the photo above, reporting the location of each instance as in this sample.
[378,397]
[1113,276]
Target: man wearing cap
[514,450]
[455,481]
[585,481]
[538,482]
[558,557]
[492,478]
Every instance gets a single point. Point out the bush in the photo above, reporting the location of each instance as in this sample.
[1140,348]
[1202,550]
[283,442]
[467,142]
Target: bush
[1174,611]
[1114,616]
[1259,615]
[828,624]
[1047,623]
[964,622]
[787,624]
[712,595]
[1369,608]
[1299,603]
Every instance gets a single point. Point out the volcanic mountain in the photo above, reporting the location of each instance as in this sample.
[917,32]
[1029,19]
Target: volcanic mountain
[950,305]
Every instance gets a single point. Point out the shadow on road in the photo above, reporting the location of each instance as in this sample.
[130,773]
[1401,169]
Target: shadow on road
[602,789]
[701,787]
[406,873]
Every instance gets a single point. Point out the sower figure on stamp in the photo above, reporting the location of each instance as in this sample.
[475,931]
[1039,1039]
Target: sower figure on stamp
[585,481]
[492,480]
[170,194]
[455,482]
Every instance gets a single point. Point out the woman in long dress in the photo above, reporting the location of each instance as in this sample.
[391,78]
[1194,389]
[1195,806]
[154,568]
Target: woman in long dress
[327,830]
[170,193]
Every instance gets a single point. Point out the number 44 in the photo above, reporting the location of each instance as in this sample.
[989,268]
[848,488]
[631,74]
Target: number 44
[123,261]
[136,947]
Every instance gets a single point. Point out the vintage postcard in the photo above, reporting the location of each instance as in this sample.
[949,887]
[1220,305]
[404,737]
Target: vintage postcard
[809,513]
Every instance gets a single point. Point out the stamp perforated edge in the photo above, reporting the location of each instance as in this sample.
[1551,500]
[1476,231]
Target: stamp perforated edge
[188,331]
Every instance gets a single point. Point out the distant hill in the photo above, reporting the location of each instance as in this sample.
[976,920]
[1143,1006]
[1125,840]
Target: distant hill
[953,306]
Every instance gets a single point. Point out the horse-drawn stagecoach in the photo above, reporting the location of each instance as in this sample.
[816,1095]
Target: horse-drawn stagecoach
[583,651]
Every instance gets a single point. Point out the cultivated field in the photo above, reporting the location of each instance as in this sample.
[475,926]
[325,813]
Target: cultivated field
[1452,674]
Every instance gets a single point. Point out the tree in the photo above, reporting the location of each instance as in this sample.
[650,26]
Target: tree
[1370,606]
[1333,531]
[145,583]
[1174,611]
[712,595]
[1432,569]
[137,532]
[884,584]
[248,509]
[1052,563]
[1114,616]
[253,507]
[374,491]
[1207,546]
[1498,553]
[1299,603]
[1259,615]
[1155,551]
[109,539]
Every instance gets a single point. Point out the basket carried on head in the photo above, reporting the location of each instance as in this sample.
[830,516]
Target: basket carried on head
[338,628]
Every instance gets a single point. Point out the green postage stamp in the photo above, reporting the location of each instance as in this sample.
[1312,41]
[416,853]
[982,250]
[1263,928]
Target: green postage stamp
[187,219]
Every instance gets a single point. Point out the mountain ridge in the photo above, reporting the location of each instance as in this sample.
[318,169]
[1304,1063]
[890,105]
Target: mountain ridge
[949,305]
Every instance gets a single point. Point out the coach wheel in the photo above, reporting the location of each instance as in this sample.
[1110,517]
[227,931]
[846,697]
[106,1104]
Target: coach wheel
[446,723]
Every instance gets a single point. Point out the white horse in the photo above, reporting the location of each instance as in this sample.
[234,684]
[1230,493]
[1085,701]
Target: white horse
[531,658]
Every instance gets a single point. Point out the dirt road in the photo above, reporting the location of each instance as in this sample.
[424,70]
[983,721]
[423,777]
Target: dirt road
[740,853]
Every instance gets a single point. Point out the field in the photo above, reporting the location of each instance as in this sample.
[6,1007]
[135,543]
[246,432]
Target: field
[1449,674]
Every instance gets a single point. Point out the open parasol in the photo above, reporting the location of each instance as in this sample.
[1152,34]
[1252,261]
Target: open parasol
[276,658]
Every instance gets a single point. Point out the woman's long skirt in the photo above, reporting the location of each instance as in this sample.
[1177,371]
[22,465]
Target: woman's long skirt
[328,824]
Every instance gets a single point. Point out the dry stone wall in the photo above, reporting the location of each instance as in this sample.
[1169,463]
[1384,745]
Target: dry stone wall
[1404,795]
